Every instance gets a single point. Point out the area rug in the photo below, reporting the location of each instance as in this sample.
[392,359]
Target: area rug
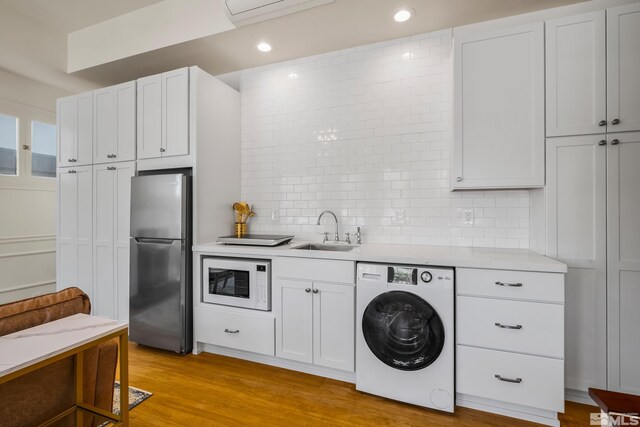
[136,397]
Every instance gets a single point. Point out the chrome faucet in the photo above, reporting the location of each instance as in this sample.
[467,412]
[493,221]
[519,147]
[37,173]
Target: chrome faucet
[337,236]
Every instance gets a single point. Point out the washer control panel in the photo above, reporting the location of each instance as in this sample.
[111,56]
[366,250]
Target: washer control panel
[405,275]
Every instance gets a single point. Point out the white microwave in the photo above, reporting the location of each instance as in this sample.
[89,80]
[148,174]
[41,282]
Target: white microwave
[237,282]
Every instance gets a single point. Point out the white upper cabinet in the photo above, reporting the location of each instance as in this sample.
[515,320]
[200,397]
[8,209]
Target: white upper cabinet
[623,268]
[623,68]
[175,112]
[576,235]
[163,114]
[75,130]
[114,123]
[74,239]
[149,117]
[499,109]
[575,67]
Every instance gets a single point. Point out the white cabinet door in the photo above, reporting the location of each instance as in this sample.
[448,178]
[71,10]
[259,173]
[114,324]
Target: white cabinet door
[334,325]
[75,130]
[74,240]
[67,124]
[122,216]
[623,68]
[103,240]
[104,121]
[149,117]
[623,268]
[125,95]
[293,305]
[499,109]
[114,119]
[575,75]
[84,147]
[175,112]
[576,235]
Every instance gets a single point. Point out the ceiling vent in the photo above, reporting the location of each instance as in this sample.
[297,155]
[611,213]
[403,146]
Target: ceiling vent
[244,12]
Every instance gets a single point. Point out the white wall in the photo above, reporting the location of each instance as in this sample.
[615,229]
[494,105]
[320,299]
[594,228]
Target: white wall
[27,207]
[366,132]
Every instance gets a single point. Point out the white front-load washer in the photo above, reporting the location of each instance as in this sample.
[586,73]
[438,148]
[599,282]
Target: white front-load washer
[405,334]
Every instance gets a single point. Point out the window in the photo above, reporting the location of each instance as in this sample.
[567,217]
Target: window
[43,149]
[8,145]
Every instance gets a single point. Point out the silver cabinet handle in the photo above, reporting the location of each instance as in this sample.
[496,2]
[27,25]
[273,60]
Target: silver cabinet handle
[500,325]
[72,171]
[307,290]
[315,291]
[509,380]
[511,285]
[602,123]
[615,121]
[162,150]
[111,168]
[602,142]
[615,142]
[459,179]
[111,156]
[71,160]
[229,331]
[26,147]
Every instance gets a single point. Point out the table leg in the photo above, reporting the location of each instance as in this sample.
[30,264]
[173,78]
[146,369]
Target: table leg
[79,386]
[124,378]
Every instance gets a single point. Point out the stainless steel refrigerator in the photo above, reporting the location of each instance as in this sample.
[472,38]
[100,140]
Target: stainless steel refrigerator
[160,293]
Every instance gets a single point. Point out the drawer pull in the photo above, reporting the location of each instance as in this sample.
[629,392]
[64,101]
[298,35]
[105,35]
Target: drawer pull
[500,325]
[509,380]
[511,285]
[229,331]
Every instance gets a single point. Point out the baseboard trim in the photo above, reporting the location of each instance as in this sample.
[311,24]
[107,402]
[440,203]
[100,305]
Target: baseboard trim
[539,416]
[578,396]
[335,374]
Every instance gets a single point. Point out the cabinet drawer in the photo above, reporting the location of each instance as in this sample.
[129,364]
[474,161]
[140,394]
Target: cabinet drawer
[511,284]
[540,380]
[526,327]
[321,270]
[254,333]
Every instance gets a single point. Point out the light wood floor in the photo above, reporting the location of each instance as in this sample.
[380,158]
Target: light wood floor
[211,390]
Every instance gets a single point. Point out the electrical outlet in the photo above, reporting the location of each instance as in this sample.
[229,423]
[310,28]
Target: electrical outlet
[468,216]
[275,215]
[399,217]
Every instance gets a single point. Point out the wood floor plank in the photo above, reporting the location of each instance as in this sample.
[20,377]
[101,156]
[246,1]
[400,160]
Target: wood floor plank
[212,390]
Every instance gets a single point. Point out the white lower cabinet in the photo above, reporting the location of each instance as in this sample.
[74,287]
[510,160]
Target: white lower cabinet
[315,320]
[537,382]
[75,232]
[111,217]
[231,328]
[510,337]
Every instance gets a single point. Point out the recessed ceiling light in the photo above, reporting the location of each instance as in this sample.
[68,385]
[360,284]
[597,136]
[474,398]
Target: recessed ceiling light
[403,15]
[264,47]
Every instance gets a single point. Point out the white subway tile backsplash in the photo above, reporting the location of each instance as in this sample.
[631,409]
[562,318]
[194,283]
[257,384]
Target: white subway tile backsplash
[366,132]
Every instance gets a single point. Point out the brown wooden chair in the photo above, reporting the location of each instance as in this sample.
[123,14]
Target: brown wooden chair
[616,408]
[39,395]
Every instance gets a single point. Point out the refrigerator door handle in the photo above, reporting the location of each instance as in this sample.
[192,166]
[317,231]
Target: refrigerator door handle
[154,241]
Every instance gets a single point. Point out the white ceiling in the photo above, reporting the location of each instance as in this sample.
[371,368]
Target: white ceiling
[71,15]
[334,26]
[339,25]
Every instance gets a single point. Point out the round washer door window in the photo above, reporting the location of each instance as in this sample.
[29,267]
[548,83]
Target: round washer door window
[403,330]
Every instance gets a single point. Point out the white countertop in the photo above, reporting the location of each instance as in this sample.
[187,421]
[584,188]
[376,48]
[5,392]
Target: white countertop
[30,346]
[449,256]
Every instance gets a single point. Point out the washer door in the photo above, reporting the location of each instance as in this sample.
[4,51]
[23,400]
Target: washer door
[403,330]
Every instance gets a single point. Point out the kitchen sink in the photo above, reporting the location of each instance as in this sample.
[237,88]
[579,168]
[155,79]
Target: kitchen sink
[324,247]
